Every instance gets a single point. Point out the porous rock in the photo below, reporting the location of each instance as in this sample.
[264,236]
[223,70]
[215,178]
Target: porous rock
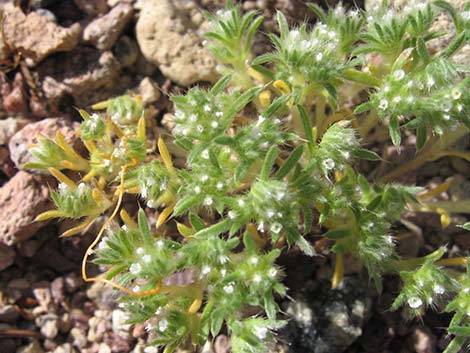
[13,96]
[37,36]
[324,320]
[84,70]
[92,7]
[7,256]
[171,38]
[22,199]
[8,127]
[20,143]
[104,31]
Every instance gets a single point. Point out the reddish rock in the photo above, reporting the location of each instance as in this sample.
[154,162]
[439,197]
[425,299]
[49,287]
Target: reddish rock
[222,344]
[7,256]
[37,36]
[20,143]
[104,31]
[22,199]
[42,293]
[14,96]
[92,7]
[76,73]
[8,128]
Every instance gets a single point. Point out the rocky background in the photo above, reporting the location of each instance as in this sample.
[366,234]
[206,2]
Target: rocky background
[58,55]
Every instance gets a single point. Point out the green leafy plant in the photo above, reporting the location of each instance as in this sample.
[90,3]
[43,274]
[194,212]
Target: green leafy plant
[271,150]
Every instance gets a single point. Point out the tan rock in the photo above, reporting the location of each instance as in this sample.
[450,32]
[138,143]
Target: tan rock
[37,36]
[169,39]
[22,199]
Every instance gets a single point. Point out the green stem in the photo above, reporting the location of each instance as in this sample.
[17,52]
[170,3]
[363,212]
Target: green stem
[432,151]
[460,206]
[368,123]
[361,77]
[455,345]
[320,116]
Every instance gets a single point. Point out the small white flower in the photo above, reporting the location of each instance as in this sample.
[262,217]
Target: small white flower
[466,15]
[162,325]
[431,82]
[214,124]
[205,178]
[63,186]
[228,289]
[328,164]
[152,204]
[257,278]
[136,289]
[241,203]
[197,189]
[438,289]
[223,259]
[270,213]
[272,273]
[415,302]
[147,258]
[205,154]
[319,57]
[232,214]
[305,44]
[103,244]
[294,33]
[223,272]
[261,332]
[456,93]
[200,128]
[383,104]
[446,117]
[254,260]
[219,185]
[206,270]
[397,99]
[207,108]
[159,244]
[276,227]
[135,268]
[399,74]
[219,114]
[466,290]
[387,89]
[139,251]
[193,118]
[208,201]
[459,107]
